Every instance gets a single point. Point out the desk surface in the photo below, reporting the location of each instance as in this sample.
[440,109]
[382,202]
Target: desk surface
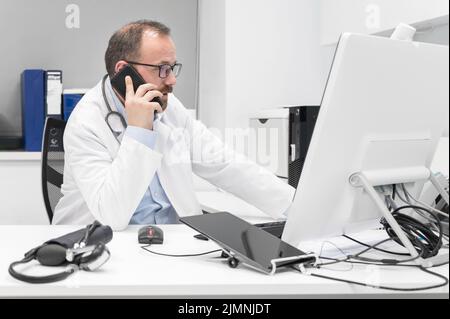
[131,271]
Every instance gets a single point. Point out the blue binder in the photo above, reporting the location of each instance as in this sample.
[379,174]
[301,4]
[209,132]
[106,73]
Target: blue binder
[33,109]
[70,100]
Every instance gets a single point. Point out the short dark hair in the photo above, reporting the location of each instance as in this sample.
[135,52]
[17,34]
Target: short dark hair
[126,42]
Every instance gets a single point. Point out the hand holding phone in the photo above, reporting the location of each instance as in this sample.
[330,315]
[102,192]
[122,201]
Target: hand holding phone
[139,97]
[118,81]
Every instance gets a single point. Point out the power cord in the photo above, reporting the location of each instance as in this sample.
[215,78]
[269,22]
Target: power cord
[183,255]
[424,240]
[407,201]
[418,202]
[377,262]
[445,283]
[379,249]
[387,262]
[382,261]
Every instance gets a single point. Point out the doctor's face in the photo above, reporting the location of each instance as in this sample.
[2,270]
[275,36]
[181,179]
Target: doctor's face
[158,50]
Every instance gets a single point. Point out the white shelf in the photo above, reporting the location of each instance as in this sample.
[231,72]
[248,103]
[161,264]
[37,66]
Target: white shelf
[19,156]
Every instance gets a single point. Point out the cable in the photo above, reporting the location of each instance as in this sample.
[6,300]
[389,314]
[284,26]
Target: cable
[188,255]
[368,261]
[386,287]
[384,261]
[408,197]
[408,202]
[348,257]
[389,198]
[379,249]
[424,204]
[346,260]
[335,262]
[421,237]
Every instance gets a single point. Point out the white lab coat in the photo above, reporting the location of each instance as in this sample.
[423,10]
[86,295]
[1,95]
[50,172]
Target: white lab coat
[105,180]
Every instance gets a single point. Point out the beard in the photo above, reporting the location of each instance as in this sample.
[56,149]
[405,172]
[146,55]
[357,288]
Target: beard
[165,98]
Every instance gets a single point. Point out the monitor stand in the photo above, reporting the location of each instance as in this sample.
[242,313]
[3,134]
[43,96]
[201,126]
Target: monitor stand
[367,180]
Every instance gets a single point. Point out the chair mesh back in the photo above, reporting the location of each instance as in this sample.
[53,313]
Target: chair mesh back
[52,164]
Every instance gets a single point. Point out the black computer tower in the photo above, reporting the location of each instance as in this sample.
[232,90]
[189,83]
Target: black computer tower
[302,120]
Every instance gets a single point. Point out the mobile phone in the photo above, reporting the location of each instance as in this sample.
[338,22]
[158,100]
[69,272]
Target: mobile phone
[118,81]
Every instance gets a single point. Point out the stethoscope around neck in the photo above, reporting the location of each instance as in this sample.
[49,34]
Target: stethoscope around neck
[111,114]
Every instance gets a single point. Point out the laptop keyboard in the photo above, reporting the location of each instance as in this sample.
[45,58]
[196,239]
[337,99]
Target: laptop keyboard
[274,228]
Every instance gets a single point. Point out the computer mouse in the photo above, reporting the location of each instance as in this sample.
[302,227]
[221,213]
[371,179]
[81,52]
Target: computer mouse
[150,235]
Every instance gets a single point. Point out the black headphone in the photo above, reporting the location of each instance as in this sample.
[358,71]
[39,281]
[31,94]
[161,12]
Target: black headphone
[88,252]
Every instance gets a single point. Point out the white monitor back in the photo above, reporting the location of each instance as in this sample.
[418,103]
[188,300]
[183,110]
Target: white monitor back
[384,109]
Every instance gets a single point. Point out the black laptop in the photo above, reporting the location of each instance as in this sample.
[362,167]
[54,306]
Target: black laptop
[247,243]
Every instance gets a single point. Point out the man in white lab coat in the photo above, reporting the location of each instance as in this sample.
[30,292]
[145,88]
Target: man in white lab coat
[138,169]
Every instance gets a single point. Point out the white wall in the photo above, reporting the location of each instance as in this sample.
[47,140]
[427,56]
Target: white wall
[373,16]
[257,54]
[212,69]
[273,57]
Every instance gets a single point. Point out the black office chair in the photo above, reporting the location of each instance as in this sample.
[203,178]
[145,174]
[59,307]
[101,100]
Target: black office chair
[52,163]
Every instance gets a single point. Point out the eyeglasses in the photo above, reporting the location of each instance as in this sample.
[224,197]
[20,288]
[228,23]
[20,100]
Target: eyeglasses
[164,69]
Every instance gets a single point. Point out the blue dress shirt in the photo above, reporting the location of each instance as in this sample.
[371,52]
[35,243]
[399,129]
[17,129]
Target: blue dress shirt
[155,207]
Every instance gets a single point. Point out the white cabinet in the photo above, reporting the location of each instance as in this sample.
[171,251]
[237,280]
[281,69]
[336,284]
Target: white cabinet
[270,146]
[21,200]
[374,16]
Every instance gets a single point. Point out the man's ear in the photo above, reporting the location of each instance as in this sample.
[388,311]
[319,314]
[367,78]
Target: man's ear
[119,66]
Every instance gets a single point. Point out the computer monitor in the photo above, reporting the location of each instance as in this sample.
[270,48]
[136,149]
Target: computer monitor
[383,111]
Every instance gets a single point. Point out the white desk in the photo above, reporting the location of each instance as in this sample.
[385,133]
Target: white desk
[134,272]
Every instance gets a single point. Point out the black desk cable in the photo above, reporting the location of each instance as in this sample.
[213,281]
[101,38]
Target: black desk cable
[424,240]
[391,263]
[376,248]
[445,283]
[182,255]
